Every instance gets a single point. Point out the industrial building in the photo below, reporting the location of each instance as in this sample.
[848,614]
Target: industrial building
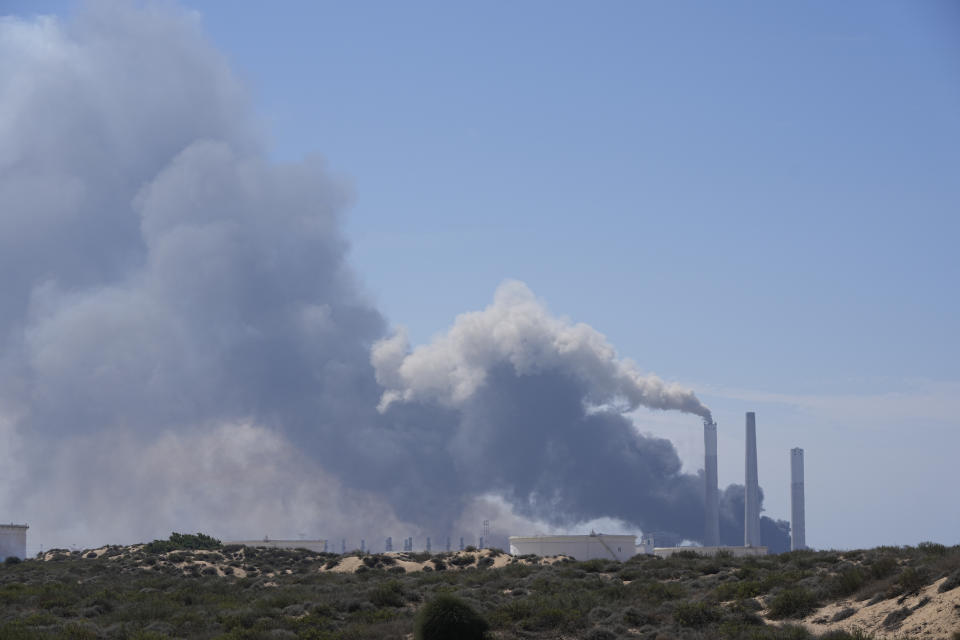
[13,541]
[595,545]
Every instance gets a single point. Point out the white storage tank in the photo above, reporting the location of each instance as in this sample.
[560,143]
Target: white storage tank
[596,545]
[13,541]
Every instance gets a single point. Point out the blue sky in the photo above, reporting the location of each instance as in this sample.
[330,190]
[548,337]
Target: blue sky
[758,200]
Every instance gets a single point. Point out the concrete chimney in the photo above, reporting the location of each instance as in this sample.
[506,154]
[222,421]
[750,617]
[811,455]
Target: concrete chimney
[751,503]
[798,534]
[712,531]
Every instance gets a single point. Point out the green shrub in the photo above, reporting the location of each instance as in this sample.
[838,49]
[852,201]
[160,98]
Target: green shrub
[846,582]
[952,582]
[795,602]
[932,548]
[696,614]
[447,617]
[598,565]
[599,633]
[76,631]
[883,567]
[843,614]
[182,541]
[657,592]
[739,590]
[895,618]
[911,580]
[10,560]
[387,594]
[639,618]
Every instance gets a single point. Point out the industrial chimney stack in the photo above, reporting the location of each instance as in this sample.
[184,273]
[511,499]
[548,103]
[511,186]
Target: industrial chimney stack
[751,511]
[712,531]
[798,534]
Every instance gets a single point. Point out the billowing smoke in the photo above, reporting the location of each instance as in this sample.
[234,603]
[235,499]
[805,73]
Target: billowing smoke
[534,409]
[167,290]
[184,346]
[516,330]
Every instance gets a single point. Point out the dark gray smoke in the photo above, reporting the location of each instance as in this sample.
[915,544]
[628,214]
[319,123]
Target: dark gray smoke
[534,410]
[184,345]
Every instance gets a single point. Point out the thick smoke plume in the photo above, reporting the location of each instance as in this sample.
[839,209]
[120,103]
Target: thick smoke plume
[184,346]
[517,330]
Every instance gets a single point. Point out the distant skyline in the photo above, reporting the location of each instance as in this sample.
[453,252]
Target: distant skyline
[755,201]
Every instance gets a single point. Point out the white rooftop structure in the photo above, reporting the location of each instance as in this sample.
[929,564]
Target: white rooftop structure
[582,547]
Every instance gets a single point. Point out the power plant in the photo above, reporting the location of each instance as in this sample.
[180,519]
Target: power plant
[751,498]
[601,545]
[798,536]
[751,505]
[598,545]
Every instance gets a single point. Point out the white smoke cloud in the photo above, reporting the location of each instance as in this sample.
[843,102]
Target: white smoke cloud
[519,330]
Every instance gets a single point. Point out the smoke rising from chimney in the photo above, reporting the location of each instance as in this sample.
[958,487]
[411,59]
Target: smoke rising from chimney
[517,330]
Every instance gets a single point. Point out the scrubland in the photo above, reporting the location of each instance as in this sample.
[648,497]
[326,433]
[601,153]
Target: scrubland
[194,587]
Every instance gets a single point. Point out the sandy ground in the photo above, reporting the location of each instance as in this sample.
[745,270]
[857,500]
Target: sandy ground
[937,618]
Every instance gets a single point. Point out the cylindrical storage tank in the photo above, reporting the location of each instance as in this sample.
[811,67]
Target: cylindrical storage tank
[13,541]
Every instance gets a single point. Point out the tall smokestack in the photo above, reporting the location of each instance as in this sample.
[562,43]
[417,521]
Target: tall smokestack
[798,534]
[712,531]
[751,504]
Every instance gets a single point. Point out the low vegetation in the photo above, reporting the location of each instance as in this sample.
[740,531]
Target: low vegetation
[192,586]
